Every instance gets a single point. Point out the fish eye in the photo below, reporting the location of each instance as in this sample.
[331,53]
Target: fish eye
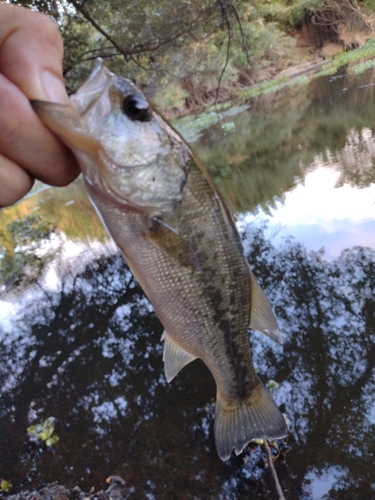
[136,108]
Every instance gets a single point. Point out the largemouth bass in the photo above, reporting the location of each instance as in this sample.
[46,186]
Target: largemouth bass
[162,209]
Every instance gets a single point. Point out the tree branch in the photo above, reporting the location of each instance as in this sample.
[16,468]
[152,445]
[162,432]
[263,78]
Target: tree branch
[91,20]
[229,29]
[244,47]
[148,47]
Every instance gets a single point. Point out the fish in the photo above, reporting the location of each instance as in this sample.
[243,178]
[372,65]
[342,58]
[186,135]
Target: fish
[161,207]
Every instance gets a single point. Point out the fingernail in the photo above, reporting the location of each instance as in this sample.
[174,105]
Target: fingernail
[54,88]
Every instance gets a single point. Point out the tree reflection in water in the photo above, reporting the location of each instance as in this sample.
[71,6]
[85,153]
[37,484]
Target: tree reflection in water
[90,355]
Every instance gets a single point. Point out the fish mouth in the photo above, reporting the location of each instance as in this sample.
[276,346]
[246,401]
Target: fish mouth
[68,120]
[96,84]
[97,69]
[67,124]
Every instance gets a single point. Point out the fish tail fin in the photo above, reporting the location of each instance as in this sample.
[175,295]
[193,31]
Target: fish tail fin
[238,422]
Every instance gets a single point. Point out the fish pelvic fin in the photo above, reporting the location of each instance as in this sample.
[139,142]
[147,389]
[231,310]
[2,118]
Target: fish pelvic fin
[239,422]
[262,318]
[174,357]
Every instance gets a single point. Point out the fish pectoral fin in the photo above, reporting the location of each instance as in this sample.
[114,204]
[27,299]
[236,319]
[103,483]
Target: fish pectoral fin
[262,318]
[174,357]
[239,422]
[165,237]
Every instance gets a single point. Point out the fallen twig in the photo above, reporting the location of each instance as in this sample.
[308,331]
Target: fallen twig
[273,470]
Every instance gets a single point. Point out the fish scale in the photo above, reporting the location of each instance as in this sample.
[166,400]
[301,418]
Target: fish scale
[162,209]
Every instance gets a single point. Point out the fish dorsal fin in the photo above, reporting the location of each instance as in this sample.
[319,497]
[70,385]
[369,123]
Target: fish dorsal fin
[167,238]
[262,318]
[174,357]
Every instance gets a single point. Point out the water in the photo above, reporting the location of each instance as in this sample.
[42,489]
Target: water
[83,345]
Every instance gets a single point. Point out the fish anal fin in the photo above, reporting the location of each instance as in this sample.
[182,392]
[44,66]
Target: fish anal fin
[165,237]
[262,318]
[238,423]
[174,357]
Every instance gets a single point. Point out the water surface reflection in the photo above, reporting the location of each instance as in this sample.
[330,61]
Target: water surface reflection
[83,345]
[90,355]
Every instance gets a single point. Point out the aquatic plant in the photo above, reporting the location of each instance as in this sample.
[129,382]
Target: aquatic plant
[44,431]
[5,485]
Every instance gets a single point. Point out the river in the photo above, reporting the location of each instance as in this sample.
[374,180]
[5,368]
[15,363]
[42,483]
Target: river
[81,343]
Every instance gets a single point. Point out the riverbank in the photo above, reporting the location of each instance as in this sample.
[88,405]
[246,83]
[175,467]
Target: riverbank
[116,491]
[311,51]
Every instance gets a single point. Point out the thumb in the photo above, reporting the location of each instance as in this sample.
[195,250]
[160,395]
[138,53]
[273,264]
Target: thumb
[31,52]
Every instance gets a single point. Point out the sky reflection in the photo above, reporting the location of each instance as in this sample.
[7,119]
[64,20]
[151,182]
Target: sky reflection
[319,483]
[319,213]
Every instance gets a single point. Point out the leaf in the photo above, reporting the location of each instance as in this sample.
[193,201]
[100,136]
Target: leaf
[43,435]
[271,385]
[52,440]
[44,431]
[32,430]
[5,485]
[258,441]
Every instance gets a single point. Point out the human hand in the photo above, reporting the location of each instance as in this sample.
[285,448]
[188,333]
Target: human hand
[31,52]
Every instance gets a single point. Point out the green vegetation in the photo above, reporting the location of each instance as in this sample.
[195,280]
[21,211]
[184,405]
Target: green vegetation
[67,209]
[272,385]
[342,59]
[368,50]
[5,485]
[189,54]
[21,240]
[44,431]
[288,14]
